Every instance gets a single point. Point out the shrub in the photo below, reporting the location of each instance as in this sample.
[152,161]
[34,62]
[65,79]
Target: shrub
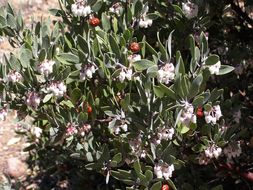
[121,89]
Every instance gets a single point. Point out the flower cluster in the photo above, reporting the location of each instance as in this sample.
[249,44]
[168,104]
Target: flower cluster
[85,129]
[135,145]
[36,131]
[71,129]
[166,73]
[164,134]
[187,115]
[213,115]
[14,76]
[213,151]
[190,9]
[87,71]
[57,89]
[80,8]
[46,67]
[145,22]
[119,123]
[233,150]
[134,57]
[214,69]
[116,8]
[33,100]
[163,170]
[210,152]
[125,74]
[3,114]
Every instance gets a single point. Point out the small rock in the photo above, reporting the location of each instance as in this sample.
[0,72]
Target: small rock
[16,168]
[13,141]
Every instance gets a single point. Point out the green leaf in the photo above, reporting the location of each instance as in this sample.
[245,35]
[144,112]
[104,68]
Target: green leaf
[11,21]
[182,129]
[143,64]
[219,187]
[169,45]
[42,55]
[224,69]
[158,91]
[67,103]
[137,166]
[156,186]
[203,44]
[212,59]
[196,83]
[105,22]
[75,95]
[114,45]
[192,46]
[25,56]
[83,44]
[97,6]
[117,158]
[47,98]
[168,91]
[151,49]
[171,184]
[14,63]
[149,175]
[67,58]
[180,64]
[164,54]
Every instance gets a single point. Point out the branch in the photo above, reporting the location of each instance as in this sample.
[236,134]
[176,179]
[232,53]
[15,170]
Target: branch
[240,13]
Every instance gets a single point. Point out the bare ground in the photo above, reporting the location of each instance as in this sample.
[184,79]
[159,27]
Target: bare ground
[11,145]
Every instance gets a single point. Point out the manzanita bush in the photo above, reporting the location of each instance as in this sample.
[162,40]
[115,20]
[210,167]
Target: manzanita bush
[120,88]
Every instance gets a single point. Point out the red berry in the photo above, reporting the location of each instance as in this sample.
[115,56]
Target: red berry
[165,187]
[89,109]
[134,47]
[94,21]
[200,112]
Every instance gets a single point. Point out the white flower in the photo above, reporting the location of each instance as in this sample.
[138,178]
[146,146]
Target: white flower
[124,127]
[237,115]
[87,71]
[158,171]
[163,170]
[33,100]
[85,129]
[213,151]
[190,9]
[233,150]
[129,74]
[80,8]
[134,57]
[3,114]
[213,115]
[166,73]
[203,159]
[116,8]
[122,76]
[71,129]
[36,131]
[167,171]
[165,134]
[214,69]
[145,22]
[14,76]
[187,115]
[46,67]
[57,89]
[125,74]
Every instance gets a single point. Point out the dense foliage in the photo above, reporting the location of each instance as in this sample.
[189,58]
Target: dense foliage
[128,94]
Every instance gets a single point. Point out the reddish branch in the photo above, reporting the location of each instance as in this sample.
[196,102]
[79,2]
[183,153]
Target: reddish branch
[239,11]
[246,175]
